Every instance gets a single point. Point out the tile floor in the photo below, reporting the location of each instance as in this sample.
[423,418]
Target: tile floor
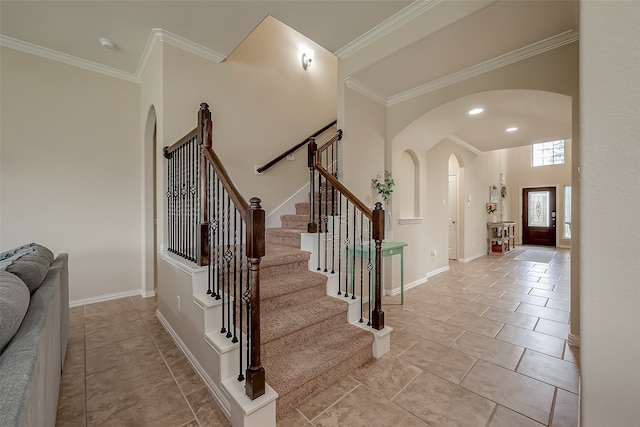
[483,344]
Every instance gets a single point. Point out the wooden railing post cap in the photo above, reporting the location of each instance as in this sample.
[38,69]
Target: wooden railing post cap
[255,203]
[204,106]
[378,206]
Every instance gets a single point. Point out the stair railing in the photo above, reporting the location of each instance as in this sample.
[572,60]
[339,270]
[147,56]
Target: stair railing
[348,232]
[291,150]
[210,223]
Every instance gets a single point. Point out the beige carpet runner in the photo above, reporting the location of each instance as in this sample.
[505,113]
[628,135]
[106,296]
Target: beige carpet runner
[307,343]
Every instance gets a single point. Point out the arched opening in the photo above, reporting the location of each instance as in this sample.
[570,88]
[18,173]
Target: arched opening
[150,206]
[408,176]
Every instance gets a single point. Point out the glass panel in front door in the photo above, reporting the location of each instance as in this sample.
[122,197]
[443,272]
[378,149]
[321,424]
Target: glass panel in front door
[538,209]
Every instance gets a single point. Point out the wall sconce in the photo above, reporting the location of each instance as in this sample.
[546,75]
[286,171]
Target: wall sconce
[307,57]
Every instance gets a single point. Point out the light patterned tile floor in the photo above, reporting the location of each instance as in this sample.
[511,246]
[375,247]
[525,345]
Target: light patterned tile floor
[481,345]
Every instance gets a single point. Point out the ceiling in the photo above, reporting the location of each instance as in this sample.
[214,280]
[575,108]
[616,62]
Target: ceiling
[496,29]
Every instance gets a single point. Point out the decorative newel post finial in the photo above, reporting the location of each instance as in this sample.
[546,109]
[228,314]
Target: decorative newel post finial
[378,206]
[255,202]
[204,106]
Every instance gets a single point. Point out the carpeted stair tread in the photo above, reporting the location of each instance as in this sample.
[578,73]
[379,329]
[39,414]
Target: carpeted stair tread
[306,360]
[280,323]
[284,236]
[295,222]
[272,287]
[277,254]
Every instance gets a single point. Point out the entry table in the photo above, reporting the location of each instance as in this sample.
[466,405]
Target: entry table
[388,249]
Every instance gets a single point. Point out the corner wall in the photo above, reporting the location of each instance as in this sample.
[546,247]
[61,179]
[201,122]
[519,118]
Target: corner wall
[70,170]
[610,174]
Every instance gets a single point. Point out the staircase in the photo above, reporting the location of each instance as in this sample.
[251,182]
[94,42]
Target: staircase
[307,342]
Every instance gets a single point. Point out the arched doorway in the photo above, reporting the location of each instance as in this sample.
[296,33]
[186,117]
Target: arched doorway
[150,206]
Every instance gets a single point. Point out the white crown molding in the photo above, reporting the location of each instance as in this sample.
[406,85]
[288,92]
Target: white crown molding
[533,49]
[175,40]
[65,58]
[463,144]
[385,27]
[156,37]
[362,89]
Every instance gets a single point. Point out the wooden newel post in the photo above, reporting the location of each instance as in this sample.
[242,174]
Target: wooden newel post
[377,320]
[255,384]
[312,227]
[204,140]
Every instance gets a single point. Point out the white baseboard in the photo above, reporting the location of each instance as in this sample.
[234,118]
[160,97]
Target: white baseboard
[396,291]
[148,294]
[216,392]
[471,258]
[574,340]
[437,271]
[103,298]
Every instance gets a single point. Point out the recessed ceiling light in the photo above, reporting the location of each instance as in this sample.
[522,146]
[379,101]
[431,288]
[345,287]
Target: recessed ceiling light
[106,43]
[513,129]
[476,111]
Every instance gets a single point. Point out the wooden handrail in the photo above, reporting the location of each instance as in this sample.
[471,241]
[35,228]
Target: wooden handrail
[345,191]
[229,185]
[294,148]
[180,143]
[334,138]
[334,181]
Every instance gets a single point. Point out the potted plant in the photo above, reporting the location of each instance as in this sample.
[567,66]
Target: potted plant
[384,187]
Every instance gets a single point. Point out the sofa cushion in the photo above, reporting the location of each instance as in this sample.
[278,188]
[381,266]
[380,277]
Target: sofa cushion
[32,267]
[14,302]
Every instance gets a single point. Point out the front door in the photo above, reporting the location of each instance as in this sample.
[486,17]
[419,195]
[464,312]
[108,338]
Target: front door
[539,216]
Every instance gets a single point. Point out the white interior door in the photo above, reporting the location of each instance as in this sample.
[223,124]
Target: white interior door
[453,216]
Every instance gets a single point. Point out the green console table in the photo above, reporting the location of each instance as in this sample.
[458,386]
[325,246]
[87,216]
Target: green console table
[388,249]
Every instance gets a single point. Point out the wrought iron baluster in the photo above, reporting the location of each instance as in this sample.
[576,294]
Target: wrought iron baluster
[361,262]
[235,282]
[326,216]
[169,214]
[210,234]
[227,257]
[223,278]
[319,216]
[347,243]
[187,196]
[340,244]
[218,242]
[333,218]
[355,226]
[369,267]
[240,301]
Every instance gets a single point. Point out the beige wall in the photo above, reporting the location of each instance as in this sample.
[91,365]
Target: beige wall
[362,146]
[262,102]
[610,175]
[70,170]
[151,114]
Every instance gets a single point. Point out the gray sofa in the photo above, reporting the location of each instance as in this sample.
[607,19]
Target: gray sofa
[34,330]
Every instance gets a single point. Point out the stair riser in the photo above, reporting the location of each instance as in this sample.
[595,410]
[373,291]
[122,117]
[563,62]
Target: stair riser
[275,270]
[303,208]
[278,345]
[288,402]
[293,298]
[301,222]
[293,240]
